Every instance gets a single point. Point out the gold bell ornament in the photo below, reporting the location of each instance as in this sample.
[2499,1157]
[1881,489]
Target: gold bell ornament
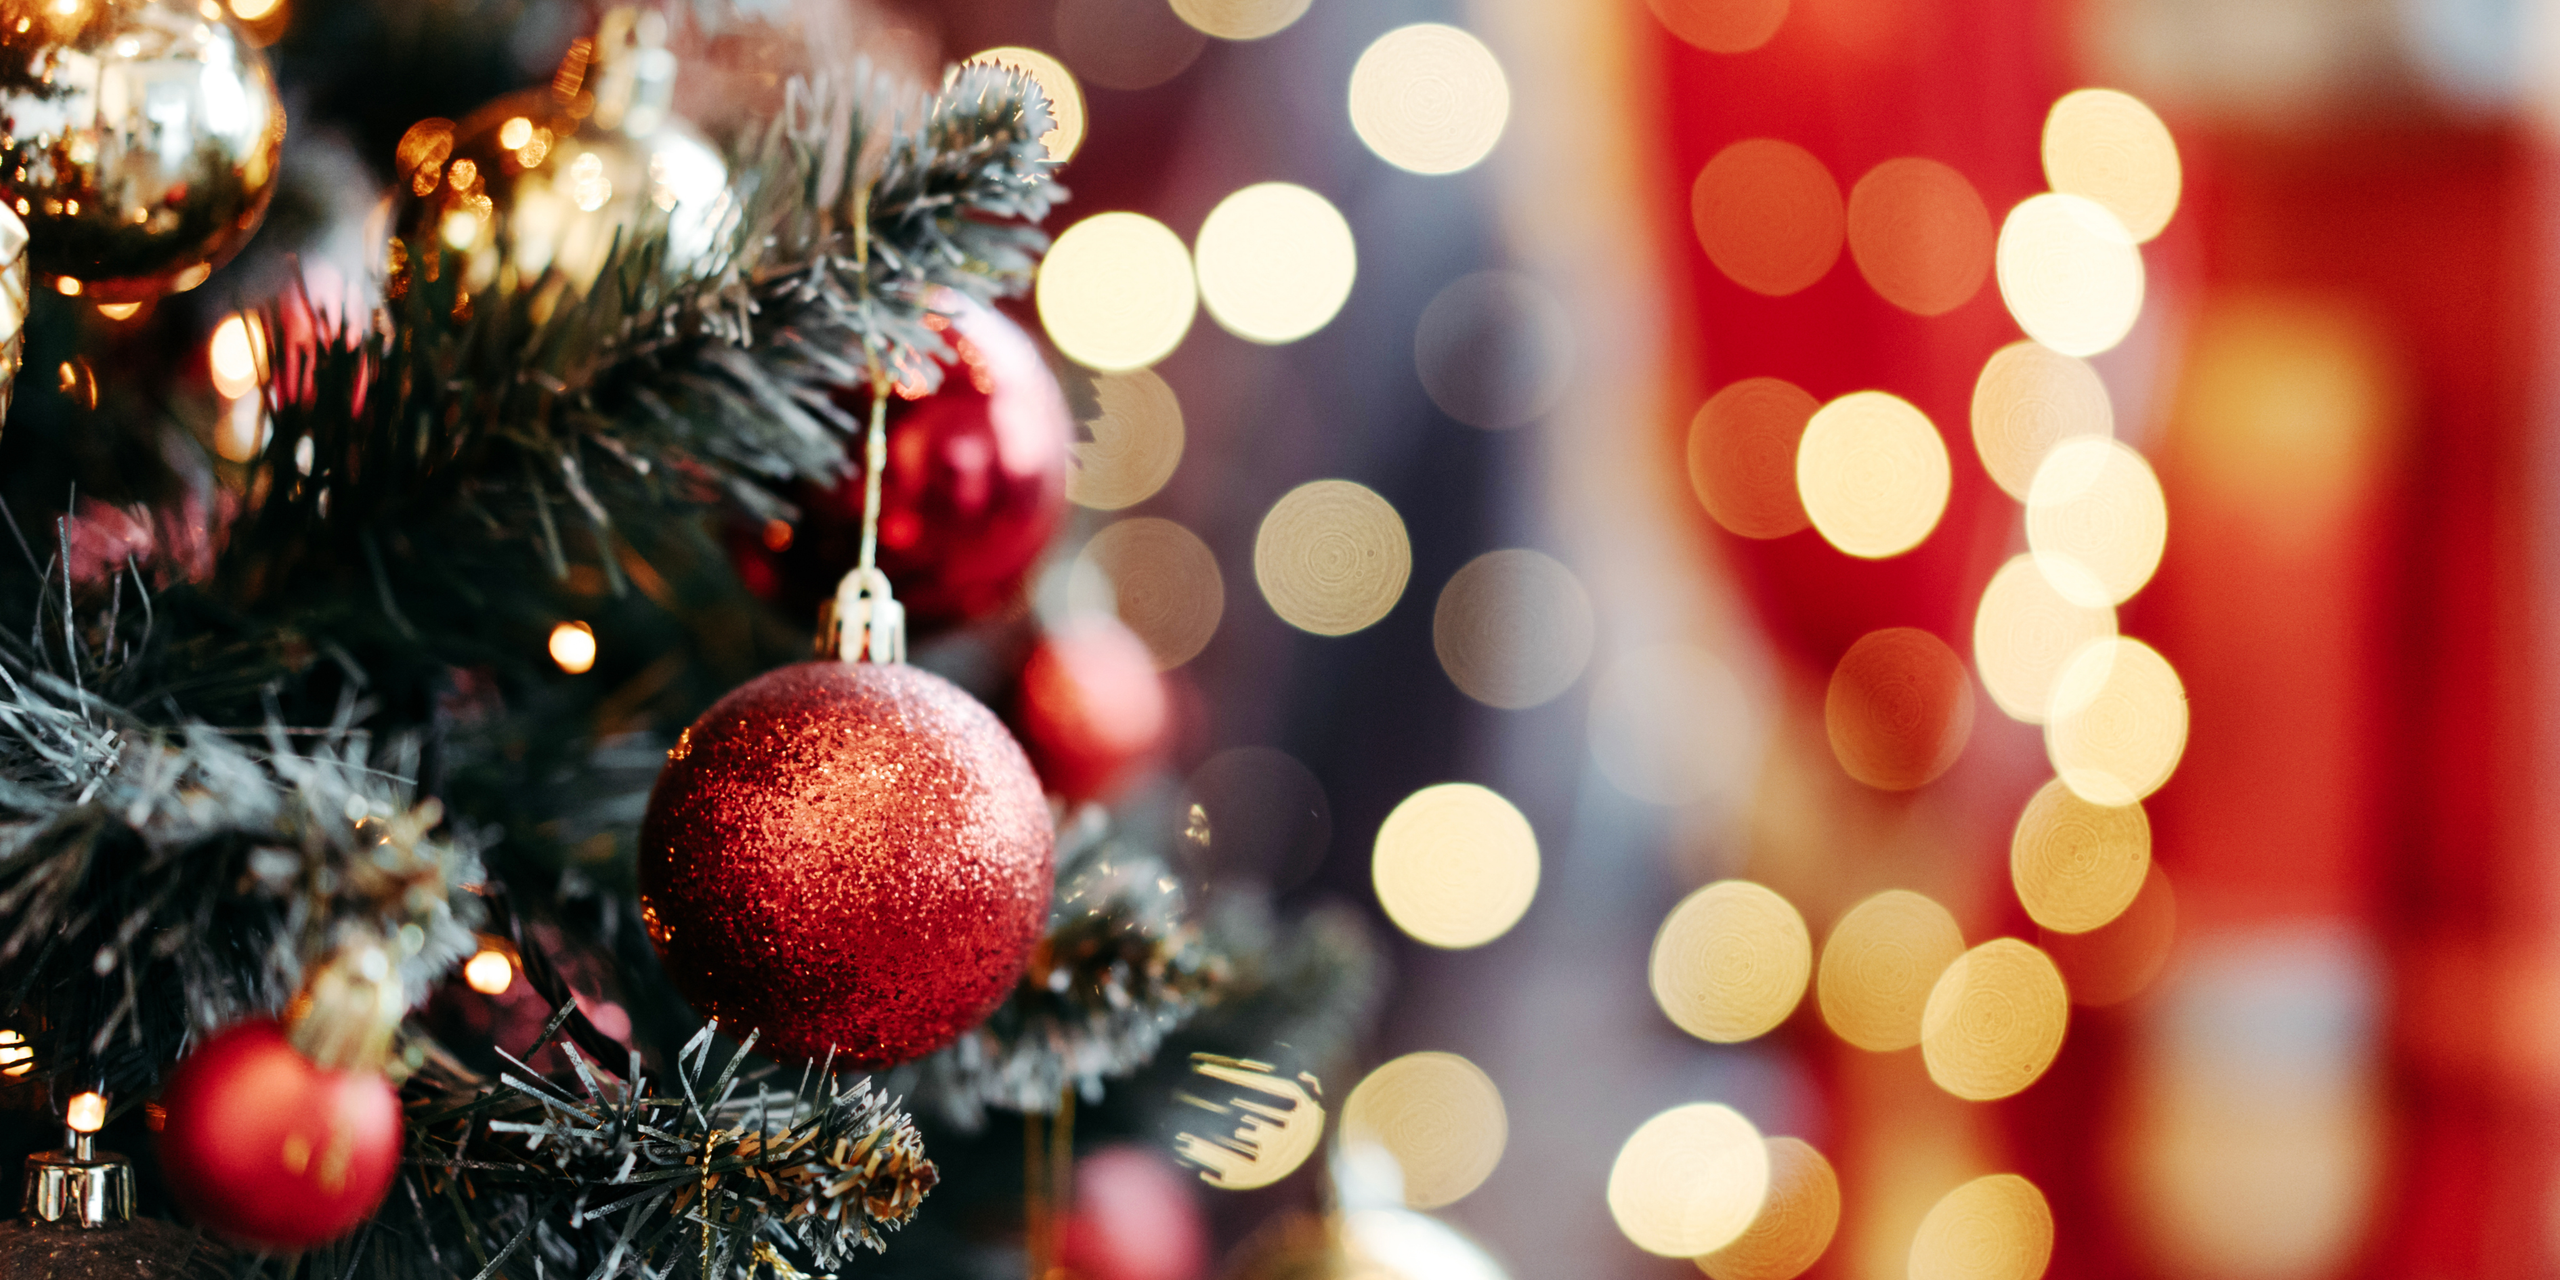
[77,1221]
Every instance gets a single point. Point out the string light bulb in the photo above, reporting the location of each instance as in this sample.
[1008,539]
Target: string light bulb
[489,972]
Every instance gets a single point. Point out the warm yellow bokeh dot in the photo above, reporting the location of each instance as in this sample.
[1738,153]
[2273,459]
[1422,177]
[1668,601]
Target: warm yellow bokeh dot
[2097,521]
[1797,1219]
[2117,724]
[489,972]
[2030,398]
[1513,629]
[1994,1228]
[1057,84]
[2076,865]
[1879,965]
[1240,19]
[1116,292]
[1689,1181]
[1731,961]
[1873,474]
[1137,442]
[1769,215]
[1331,557]
[2025,631]
[1429,98]
[1165,582]
[1276,262]
[2070,273]
[1439,1115]
[1455,865]
[573,647]
[1742,456]
[236,355]
[1994,1020]
[2108,146]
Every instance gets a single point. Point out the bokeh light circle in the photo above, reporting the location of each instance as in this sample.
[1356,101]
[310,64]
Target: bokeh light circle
[1439,1115]
[1136,445]
[1994,1020]
[1494,350]
[1513,629]
[1769,215]
[2106,145]
[1331,557]
[1879,965]
[2023,633]
[1116,292]
[1920,235]
[2076,865]
[1275,262]
[1240,19]
[1455,865]
[1722,26]
[2097,520]
[1429,98]
[1689,1181]
[2117,724]
[1057,84]
[1992,1228]
[1166,583]
[1731,961]
[1899,709]
[1872,474]
[2030,398]
[1742,456]
[1796,1222]
[2070,273]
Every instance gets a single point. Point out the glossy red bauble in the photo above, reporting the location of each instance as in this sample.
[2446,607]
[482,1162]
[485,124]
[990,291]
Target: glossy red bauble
[975,488]
[264,1147]
[1093,709]
[846,857]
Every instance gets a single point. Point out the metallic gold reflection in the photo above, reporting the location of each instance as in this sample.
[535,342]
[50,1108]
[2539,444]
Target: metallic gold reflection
[2077,865]
[1166,582]
[2070,274]
[1057,84]
[1994,1228]
[1275,262]
[1742,456]
[1899,709]
[2028,399]
[1769,215]
[1455,865]
[2118,960]
[1429,98]
[2117,724]
[1879,965]
[1796,1222]
[1994,1020]
[2106,145]
[1513,629]
[1439,1115]
[1873,474]
[2024,632]
[1116,292]
[1331,557]
[1689,1181]
[1240,19]
[2096,521]
[1137,442]
[1920,235]
[1731,961]
[1281,1124]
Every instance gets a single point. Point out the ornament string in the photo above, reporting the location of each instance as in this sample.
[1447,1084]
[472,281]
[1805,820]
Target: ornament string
[863,600]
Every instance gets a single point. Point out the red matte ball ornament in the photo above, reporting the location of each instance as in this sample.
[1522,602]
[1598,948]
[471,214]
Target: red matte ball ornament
[975,488]
[846,857]
[1093,708]
[265,1147]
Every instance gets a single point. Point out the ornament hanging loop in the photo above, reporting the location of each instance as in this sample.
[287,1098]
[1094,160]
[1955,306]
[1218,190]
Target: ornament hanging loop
[864,623]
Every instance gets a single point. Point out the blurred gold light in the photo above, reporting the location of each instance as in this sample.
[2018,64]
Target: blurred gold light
[2025,631]
[1796,1222]
[1166,582]
[86,1113]
[2096,520]
[517,131]
[1137,442]
[1722,26]
[489,972]
[1769,215]
[2107,146]
[1879,965]
[1455,865]
[1240,19]
[236,352]
[241,433]
[17,1058]
[1057,84]
[1494,349]
[2117,960]
[2078,865]
[1872,474]
[1278,1130]
[2070,273]
[1276,262]
[1994,1020]
[252,10]
[1742,456]
[1331,557]
[2029,399]
[1731,962]
[2118,722]
[1689,1181]
[67,286]
[1994,1228]
[1116,292]
[573,646]
[1441,1118]
[1920,235]
[1899,709]
[119,310]
[1429,98]
[1513,629]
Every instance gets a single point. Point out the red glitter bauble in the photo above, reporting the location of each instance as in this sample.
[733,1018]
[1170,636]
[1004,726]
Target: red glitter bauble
[1093,709]
[265,1147]
[976,487]
[846,857]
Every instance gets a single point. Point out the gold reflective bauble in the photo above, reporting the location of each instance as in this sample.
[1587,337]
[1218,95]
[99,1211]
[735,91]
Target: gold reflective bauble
[545,180]
[139,139]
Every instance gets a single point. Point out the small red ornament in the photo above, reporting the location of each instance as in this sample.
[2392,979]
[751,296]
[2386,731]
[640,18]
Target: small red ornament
[1135,1217]
[976,486]
[263,1146]
[846,856]
[1093,708]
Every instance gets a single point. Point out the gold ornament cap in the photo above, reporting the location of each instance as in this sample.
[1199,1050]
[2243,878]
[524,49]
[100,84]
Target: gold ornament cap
[79,1188]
